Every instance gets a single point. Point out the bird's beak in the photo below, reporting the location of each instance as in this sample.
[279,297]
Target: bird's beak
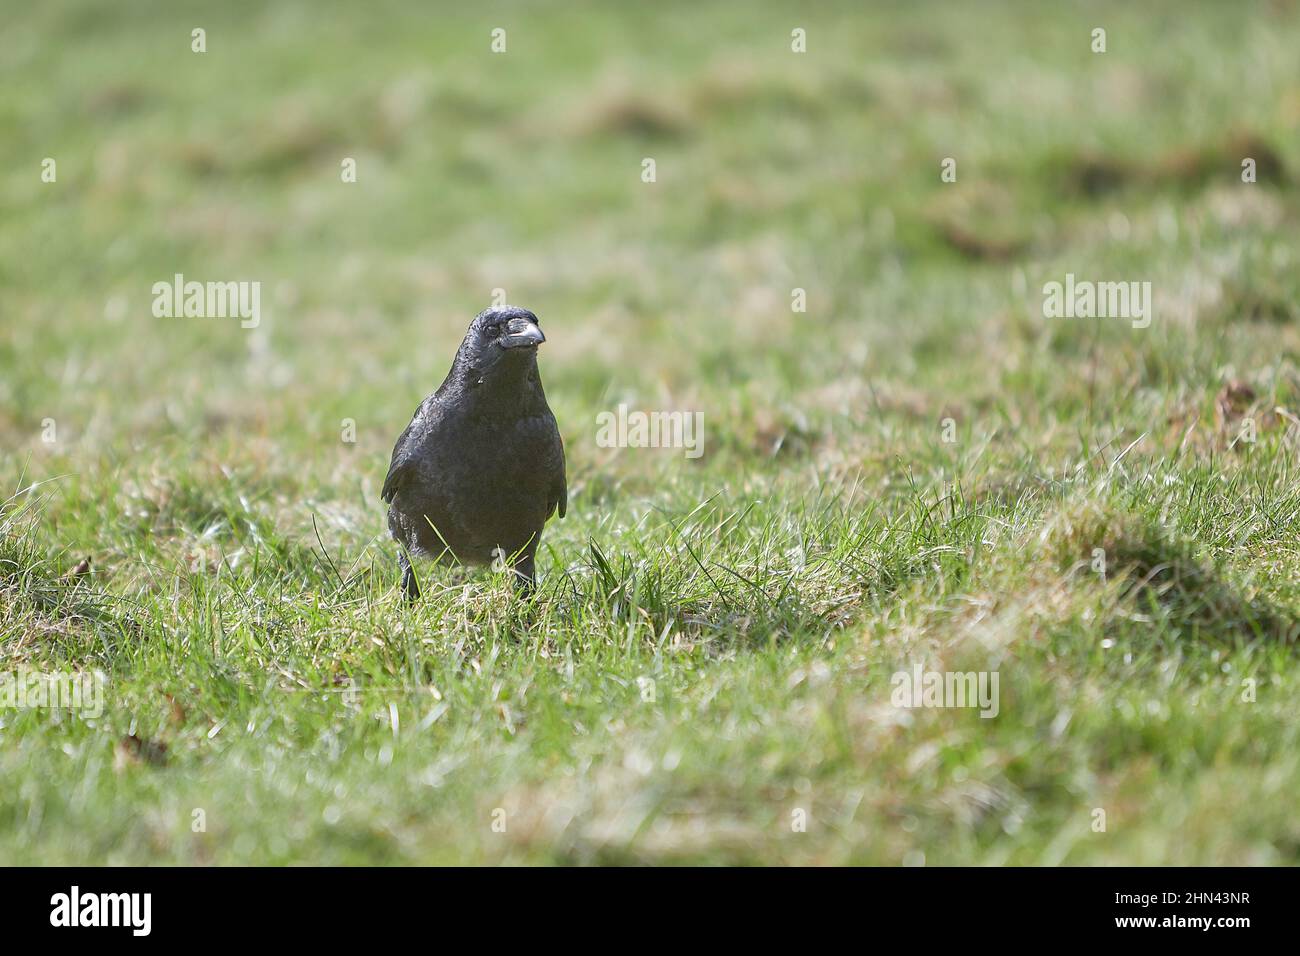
[521,333]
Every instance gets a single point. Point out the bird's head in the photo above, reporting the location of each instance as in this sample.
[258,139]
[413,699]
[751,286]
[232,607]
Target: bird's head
[501,343]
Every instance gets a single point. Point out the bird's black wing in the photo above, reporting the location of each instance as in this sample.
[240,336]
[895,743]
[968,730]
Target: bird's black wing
[560,488]
[403,458]
[397,472]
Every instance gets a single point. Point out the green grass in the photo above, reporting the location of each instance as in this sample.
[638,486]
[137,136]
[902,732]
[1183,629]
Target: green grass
[713,641]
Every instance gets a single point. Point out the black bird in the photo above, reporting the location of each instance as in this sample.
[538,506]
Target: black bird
[480,469]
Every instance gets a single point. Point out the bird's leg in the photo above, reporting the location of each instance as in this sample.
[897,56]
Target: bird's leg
[409,586]
[526,573]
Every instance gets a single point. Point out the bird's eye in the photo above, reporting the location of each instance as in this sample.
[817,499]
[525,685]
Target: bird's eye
[493,330]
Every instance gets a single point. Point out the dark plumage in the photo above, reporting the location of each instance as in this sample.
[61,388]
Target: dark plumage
[481,465]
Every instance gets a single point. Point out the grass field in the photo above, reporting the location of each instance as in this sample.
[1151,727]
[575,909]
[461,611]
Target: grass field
[918,469]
